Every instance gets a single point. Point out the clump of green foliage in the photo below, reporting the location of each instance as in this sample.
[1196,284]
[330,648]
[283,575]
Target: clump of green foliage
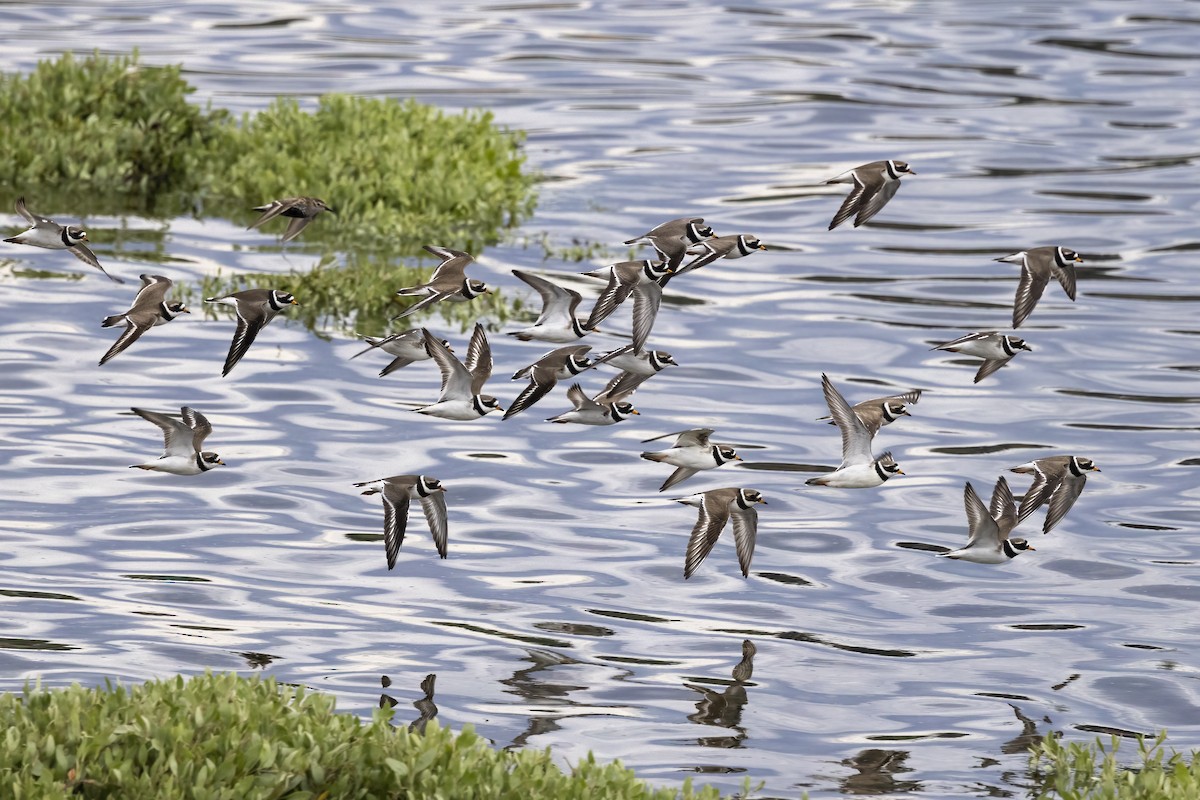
[1090,771]
[398,172]
[108,134]
[363,289]
[218,736]
[109,127]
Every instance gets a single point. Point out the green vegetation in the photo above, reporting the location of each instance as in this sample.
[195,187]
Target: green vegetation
[363,289]
[109,135]
[224,736]
[107,128]
[1089,771]
[400,174]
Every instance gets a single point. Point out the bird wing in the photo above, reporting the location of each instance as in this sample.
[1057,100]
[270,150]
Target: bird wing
[395,518]
[673,228]
[646,299]
[856,439]
[295,225]
[373,343]
[620,284]
[1062,498]
[681,442]
[1003,507]
[453,269]
[851,203]
[711,250]
[198,424]
[579,398]
[135,326]
[177,436]
[1029,290]
[85,255]
[436,297]
[604,359]
[395,364]
[1044,484]
[620,387]
[870,413]
[434,506]
[875,197]
[27,214]
[1066,277]
[910,398]
[244,336]
[479,359]
[539,386]
[989,366]
[670,249]
[714,513]
[558,302]
[677,477]
[696,437]
[745,533]
[456,379]
[272,210]
[965,339]
[983,530]
[153,292]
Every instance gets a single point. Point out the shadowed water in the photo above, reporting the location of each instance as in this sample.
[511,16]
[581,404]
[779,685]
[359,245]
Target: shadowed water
[561,618]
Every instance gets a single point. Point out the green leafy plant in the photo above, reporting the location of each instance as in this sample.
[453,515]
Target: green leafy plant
[107,135]
[224,736]
[400,173]
[361,294]
[1090,771]
[110,131]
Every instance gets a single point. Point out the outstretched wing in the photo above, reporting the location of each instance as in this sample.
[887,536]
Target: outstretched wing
[856,439]
[646,299]
[1062,498]
[714,513]
[850,204]
[177,436]
[1003,507]
[989,366]
[745,533]
[395,520]
[199,425]
[456,380]
[558,302]
[132,331]
[243,337]
[1029,291]
[434,506]
[983,530]
[618,288]
[479,359]
[873,201]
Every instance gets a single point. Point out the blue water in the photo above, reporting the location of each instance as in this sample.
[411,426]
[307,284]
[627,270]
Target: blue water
[561,618]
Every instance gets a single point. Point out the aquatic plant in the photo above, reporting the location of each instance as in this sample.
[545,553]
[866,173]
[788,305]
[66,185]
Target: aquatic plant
[400,173]
[228,736]
[107,134]
[360,295]
[112,132]
[1082,771]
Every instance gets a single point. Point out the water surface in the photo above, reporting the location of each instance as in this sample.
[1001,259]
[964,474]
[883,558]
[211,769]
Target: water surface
[561,618]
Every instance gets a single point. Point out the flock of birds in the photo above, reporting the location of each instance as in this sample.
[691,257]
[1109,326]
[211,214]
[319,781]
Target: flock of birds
[1057,480]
